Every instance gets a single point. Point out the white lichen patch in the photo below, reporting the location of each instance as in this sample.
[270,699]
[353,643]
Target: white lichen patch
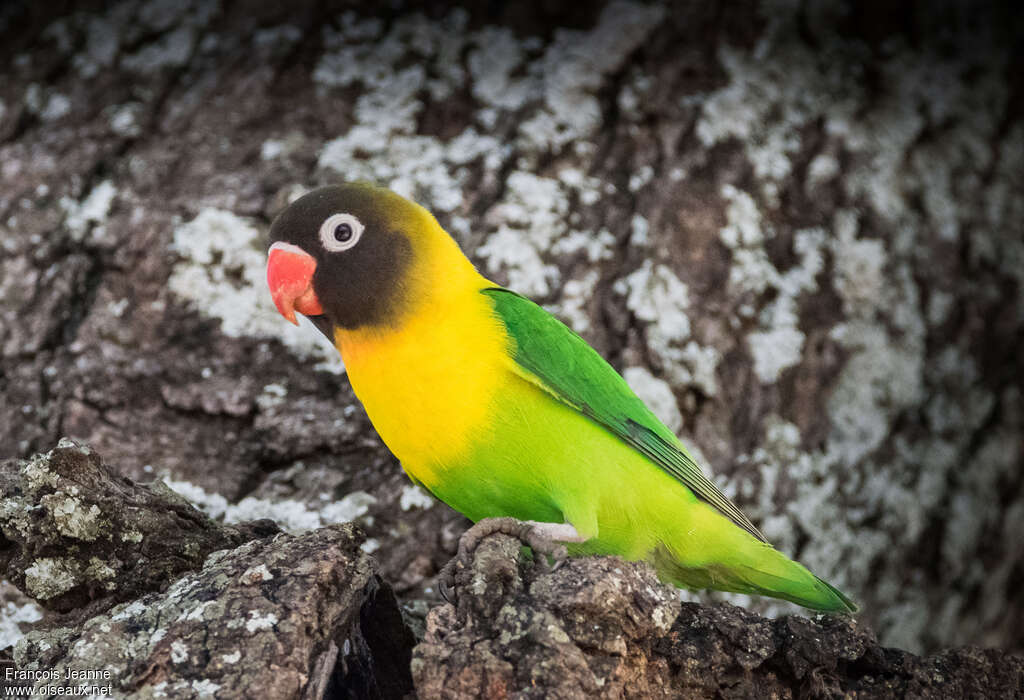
[172,50]
[101,47]
[124,120]
[256,574]
[213,504]
[660,300]
[573,69]
[57,107]
[351,506]
[860,277]
[576,294]
[878,381]
[196,613]
[179,651]
[940,303]
[273,37]
[496,55]
[292,516]
[272,149]
[72,518]
[744,234]
[36,473]
[657,296]
[182,587]
[657,394]
[640,178]
[775,350]
[767,102]
[778,343]
[133,536]
[382,145]
[272,395]
[529,219]
[639,230]
[223,273]
[663,616]
[532,218]
[12,616]
[415,497]
[48,105]
[128,611]
[205,688]
[49,577]
[698,367]
[90,213]
[100,572]
[594,248]
[257,622]
[823,168]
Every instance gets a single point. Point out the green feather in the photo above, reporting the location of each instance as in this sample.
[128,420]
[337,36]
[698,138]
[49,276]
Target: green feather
[575,374]
[552,357]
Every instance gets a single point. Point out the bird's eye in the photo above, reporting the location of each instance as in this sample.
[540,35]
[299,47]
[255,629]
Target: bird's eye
[340,232]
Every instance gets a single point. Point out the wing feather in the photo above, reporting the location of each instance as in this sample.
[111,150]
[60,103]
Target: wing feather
[550,355]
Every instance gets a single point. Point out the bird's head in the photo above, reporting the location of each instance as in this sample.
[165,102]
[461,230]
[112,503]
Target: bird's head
[350,256]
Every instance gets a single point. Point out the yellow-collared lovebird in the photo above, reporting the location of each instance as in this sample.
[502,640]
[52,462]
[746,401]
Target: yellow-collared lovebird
[498,408]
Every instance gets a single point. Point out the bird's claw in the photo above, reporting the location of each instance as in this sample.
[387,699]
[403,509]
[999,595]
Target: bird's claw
[446,577]
[531,534]
[559,560]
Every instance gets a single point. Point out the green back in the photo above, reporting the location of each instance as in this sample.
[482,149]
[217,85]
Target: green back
[553,357]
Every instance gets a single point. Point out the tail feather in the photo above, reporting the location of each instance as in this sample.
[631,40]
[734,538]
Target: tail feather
[769,574]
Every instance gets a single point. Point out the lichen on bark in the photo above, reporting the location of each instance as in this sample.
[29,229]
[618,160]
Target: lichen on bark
[793,225]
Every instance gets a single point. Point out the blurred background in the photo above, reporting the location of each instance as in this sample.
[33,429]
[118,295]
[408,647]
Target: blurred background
[796,228]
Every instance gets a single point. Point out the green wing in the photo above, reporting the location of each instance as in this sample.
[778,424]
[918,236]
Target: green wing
[564,365]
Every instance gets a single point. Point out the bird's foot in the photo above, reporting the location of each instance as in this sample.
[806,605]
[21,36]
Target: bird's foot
[544,539]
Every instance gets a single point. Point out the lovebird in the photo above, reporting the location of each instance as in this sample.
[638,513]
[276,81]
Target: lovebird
[499,409]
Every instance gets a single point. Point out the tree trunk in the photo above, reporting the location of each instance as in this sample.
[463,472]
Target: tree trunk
[796,230]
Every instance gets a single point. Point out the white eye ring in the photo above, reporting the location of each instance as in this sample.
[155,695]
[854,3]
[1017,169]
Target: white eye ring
[333,231]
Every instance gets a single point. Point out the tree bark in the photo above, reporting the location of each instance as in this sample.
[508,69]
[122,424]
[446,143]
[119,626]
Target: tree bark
[796,230]
[307,616]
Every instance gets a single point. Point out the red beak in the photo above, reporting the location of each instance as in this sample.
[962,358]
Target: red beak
[290,277]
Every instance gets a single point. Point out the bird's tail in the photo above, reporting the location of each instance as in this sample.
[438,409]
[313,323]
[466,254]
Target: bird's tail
[761,570]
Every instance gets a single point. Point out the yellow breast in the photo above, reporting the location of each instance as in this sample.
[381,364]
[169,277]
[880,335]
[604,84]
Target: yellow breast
[428,385]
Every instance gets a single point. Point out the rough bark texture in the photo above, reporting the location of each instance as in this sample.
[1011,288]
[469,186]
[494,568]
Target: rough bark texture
[73,534]
[601,627]
[292,617]
[796,229]
[307,616]
[284,616]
